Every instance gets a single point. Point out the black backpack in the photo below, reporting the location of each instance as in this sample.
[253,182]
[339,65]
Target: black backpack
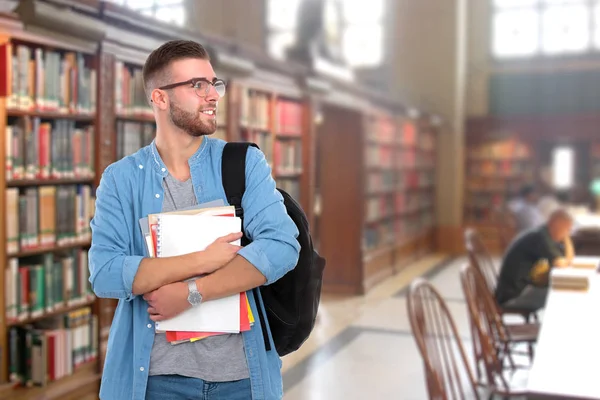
[292,302]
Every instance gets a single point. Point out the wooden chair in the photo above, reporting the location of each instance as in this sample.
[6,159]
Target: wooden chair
[492,338]
[481,259]
[447,371]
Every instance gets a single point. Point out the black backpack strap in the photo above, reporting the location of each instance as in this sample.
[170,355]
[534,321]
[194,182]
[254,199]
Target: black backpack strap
[233,171]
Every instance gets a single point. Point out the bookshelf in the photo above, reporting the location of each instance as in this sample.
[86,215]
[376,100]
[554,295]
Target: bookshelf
[375,173]
[496,168]
[48,115]
[274,117]
[415,218]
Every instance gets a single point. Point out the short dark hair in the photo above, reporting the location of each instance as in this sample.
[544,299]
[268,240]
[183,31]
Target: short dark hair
[157,62]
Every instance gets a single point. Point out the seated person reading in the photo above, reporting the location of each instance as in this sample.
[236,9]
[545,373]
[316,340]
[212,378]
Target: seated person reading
[524,274]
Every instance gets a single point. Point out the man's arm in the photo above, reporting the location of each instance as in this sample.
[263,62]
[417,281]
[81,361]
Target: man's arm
[114,272]
[236,277]
[569,250]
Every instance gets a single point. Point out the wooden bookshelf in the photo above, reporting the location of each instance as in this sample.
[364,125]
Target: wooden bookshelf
[376,185]
[495,170]
[48,115]
[274,117]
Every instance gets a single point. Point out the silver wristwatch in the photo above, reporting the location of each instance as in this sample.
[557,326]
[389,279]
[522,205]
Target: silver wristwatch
[194,296]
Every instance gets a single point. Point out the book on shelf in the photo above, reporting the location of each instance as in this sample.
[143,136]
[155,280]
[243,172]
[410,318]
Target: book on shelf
[255,109]
[130,97]
[132,136]
[42,149]
[48,80]
[288,118]
[51,349]
[48,216]
[287,157]
[41,284]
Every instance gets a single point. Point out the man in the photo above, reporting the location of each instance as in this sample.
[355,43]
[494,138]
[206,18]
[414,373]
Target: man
[179,169]
[525,209]
[523,280]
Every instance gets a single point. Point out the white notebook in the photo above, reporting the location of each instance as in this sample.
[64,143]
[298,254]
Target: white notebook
[184,234]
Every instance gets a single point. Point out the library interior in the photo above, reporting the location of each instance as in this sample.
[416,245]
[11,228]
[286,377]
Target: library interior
[466,245]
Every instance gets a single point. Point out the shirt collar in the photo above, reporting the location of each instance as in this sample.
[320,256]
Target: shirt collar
[160,166]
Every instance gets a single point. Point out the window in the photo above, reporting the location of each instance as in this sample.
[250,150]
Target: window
[525,28]
[563,159]
[361,36]
[171,11]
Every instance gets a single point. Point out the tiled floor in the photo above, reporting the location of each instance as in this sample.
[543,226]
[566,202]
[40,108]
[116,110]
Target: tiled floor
[362,347]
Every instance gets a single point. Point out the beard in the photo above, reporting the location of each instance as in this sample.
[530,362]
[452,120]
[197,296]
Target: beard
[191,122]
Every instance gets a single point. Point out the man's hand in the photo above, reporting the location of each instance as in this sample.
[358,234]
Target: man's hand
[167,301]
[220,252]
[561,262]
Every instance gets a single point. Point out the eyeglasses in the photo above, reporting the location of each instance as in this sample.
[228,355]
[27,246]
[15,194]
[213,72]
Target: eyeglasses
[201,86]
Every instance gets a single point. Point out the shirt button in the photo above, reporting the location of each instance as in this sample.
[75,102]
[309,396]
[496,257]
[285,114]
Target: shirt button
[164,169]
[157,195]
[141,166]
[142,369]
[149,326]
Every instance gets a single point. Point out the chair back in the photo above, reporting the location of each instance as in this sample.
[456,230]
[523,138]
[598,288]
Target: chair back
[490,336]
[480,257]
[447,369]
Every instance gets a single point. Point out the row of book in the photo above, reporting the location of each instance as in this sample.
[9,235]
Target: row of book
[49,350]
[496,150]
[38,149]
[501,168]
[47,80]
[287,157]
[132,136]
[46,283]
[46,216]
[387,207]
[385,157]
[395,231]
[381,130]
[291,186]
[255,109]
[288,121]
[130,97]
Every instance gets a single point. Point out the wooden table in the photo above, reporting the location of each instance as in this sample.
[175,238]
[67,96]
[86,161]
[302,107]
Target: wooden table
[567,356]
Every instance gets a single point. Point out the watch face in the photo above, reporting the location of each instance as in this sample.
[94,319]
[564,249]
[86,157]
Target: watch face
[194,298]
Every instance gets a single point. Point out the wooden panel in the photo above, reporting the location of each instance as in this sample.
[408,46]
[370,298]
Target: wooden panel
[3,262]
[307,181]
[450,240]
[340,151]
[378,268]
[83,382]
[106,143]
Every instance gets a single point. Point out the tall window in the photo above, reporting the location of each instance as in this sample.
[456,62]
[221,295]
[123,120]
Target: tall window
[362,29]
[523,28]
[171,11]
[563,160]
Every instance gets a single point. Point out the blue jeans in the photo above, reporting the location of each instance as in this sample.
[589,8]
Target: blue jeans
[176,387]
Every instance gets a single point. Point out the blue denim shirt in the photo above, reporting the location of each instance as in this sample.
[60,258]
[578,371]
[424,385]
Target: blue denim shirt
[131,189]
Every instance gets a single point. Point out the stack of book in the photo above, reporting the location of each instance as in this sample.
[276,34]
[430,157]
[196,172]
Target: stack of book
[187,231]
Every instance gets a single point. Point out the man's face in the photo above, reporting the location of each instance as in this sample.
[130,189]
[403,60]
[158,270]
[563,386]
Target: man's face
[194,114]
[562,229]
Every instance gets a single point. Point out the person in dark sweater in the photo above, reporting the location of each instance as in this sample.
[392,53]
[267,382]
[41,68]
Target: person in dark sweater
[524,274]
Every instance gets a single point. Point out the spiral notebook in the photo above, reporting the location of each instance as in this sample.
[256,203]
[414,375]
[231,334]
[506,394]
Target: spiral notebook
[184,234]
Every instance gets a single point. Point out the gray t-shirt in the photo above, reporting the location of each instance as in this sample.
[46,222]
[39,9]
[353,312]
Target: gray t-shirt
[215,359]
